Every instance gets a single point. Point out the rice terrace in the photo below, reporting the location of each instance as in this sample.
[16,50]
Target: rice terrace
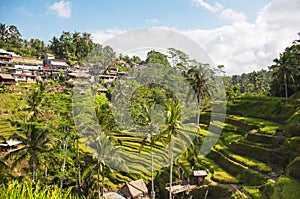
[83,119]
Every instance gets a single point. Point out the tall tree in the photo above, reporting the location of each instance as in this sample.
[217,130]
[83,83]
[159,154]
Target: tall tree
[106,153]
[197,77]
[178,59]
[156,57]
[33,133]
[10,37]
[172,130]
[283,71]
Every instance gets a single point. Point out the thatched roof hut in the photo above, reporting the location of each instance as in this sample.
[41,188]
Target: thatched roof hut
[135,189]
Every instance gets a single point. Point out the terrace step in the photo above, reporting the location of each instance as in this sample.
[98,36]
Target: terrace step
[247,175]
[257,137]
[251,163]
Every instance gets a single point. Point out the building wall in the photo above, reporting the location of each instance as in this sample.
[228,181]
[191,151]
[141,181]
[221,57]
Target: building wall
[27,60]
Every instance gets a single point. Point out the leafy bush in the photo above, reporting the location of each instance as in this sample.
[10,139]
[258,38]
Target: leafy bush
[254,193]
[290,149]
[293,169]
[286,187]
[16,190]
[268,188]
[218,191]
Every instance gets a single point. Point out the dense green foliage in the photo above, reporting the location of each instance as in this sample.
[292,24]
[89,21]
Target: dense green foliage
[259,141]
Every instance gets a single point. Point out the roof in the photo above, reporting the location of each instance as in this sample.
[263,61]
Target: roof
[3,51]
[136,188]
[7,76]
[200,173]
[49,54]
[10,143]
[180,188]
[113,195]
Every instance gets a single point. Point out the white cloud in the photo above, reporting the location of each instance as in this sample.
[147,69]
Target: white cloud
[101,36]
[228,14]
[152,21]
[62,8]
[233,15]
[212,8]
[243,46]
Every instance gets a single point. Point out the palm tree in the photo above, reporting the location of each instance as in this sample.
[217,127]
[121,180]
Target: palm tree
[151,118]
[283,70]
[196,76]
[4,33]
[173,128]
[32,132]
[106,154]
[35,102]
[35,140]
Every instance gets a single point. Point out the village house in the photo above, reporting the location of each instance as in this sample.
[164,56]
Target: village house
[135,190]
[5,59]
[7,79]
[198,177]
[27,61]
[9,145]
[55,64]
[196,180]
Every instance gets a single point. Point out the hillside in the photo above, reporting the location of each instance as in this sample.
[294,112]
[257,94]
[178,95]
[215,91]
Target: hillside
[256,156]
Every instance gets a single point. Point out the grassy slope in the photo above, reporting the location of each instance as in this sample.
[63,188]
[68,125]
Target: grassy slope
[243,116]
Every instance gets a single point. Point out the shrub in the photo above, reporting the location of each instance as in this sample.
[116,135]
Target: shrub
[254,193]
[293,169]
[218,191]
[16,190]
[268,188]
[286,187]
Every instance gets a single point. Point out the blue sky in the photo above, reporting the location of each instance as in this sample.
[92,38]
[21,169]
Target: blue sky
[35,19]
[218,26]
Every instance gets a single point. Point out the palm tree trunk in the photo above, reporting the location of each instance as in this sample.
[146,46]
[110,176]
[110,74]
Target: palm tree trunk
[152,177]
[171,168]
[46,173]
[286,89]
[64,162]
[78,166]
[103,180]
[34,176]
[198,118]
[98,180]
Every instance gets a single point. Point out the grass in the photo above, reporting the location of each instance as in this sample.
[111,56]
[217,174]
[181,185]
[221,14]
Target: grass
[247,161]
[16,190]
[217,173]
[286,187]
[265,126]
[254,193]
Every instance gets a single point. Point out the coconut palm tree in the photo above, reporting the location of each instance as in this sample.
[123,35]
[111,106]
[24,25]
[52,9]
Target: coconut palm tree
[35,140]
[197,77]
[152,119]
[284,70]
[32,132]
[106,153]
[172,129]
